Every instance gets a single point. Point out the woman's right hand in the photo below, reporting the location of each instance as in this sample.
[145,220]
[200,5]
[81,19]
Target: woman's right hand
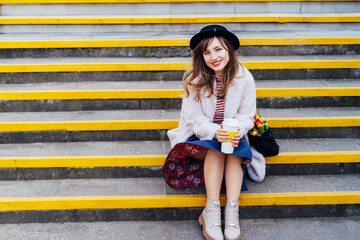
[221,134]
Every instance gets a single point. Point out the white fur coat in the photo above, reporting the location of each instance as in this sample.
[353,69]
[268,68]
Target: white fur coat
[197,116]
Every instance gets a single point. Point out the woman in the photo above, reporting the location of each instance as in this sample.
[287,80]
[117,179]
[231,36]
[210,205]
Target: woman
[217,87]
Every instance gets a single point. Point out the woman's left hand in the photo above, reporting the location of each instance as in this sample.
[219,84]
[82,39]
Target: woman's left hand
[235,140]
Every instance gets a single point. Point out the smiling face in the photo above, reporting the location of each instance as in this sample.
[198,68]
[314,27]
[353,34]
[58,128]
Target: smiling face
[216,56]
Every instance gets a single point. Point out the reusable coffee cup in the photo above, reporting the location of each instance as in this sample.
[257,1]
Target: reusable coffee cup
[231,125]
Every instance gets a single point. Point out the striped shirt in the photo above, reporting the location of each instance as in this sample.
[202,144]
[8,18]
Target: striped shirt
[220,103]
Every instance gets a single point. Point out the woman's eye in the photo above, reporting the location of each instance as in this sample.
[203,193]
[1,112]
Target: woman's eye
[218,49]
[206,53]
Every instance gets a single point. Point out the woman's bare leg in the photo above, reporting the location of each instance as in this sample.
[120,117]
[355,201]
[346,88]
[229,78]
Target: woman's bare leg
[200,155]
[213,173]
[233,177]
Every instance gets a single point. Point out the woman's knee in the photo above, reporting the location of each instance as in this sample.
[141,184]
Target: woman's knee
[215,153]
[213,156]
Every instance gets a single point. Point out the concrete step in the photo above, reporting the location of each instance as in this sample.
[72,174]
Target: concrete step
[165,45]
[160,52]
[261,85]
[134,125]
[281,229]
[165,69]
[110,76]
[174,63]
[274,17]
[132,69]
[176,23]
[175,51]
[151,199]
[271,115]
[144,95]
[43,8]
[141,148]
[151,39]
[74,160]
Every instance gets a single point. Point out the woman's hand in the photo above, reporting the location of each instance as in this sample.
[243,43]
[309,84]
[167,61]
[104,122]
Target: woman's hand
[235,140]
[222,136]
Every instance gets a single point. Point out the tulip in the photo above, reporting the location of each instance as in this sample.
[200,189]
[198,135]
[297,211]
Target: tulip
[259,125]
[254,133]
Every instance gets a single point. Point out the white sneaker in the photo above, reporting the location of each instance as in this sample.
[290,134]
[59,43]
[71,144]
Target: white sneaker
[210,220]
[232,225]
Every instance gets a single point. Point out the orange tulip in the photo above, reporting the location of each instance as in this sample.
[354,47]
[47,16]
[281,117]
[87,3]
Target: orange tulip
[254,133]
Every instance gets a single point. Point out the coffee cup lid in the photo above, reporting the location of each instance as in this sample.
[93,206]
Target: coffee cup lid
[232,122]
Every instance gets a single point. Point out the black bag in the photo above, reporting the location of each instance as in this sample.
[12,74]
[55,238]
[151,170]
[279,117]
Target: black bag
[265,144]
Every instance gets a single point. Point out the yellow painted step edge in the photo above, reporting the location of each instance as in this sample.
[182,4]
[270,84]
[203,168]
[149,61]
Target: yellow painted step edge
[315,157]
[180,19]
[308,92]
[173,42]
[152,1]
[175,201]
[169,93]
[166,124]
[158,160]
[180,66]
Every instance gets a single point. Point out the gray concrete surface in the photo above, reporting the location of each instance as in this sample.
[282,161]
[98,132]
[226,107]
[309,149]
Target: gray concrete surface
[161,103]
[83,115]
[172,28]
[309,112]
[19,61]
[176,8]
[146,85]
[302,183]
[164,114]
[88,148]
[157,186]
[164,52]
[294,112]
[259,74]
[158,147]
[252,229]
[179,35]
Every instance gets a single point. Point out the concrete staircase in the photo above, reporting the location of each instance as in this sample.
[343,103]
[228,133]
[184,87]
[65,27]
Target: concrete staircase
[87,94]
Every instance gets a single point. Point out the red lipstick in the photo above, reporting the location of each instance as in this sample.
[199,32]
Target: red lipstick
[217,63]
